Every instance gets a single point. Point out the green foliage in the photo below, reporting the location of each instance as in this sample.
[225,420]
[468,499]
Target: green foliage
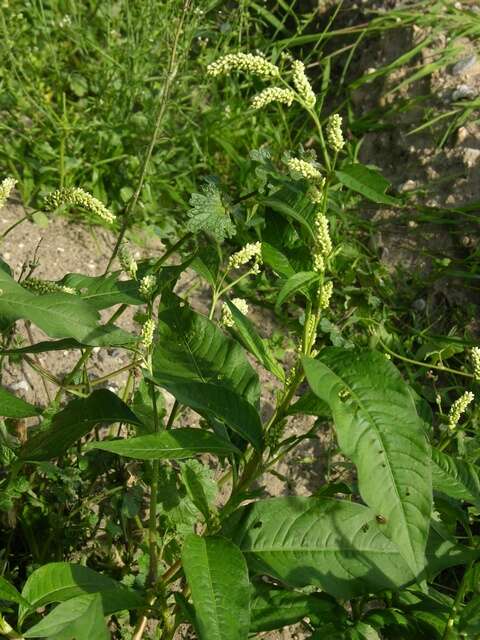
[132,513]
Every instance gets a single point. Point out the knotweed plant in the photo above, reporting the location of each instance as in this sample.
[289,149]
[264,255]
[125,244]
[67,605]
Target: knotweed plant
[140,513]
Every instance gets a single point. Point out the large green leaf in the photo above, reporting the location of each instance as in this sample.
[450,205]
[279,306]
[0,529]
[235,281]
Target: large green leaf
[75,421]
[60,581]
[274,608]
[191,348]
[217,574]
[379,429]
[218,402]
[254,343]
[277,260]
[60,315]
[13,407]
[168,445]
[291,202]
[469,622]
[332,544]
[299,282]
[368,182]
[102,292]
[455,477]
[80,618]
[10,594]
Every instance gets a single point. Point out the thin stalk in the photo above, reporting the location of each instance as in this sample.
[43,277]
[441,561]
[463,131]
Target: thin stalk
[164,98]
[456,604]
[152,524]
[424,364]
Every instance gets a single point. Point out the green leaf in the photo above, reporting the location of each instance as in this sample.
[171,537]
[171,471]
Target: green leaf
[80,618]
[10,594]
[200,485]
[59,315]
[254,343]
[208,214]
[455,477]
[299,282]
[368,182]
[469,621]
[332,544]
[75,421]
[310,405]
[217,575]
[274,608]
[292,203]
[102,292]
[142,408]
[13,407]
[191,348]
[276,260]
[217,401]
[207,263]
[61,581]
[379,429]
[168,445]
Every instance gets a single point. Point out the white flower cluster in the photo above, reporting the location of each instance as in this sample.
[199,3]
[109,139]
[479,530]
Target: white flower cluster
[247,62]
[47,286]
[475,356]
[251,251]
[334,133]
[315,193]
[273,94]
[302,84]
[323,242]
[6,186]
[147,286]
[75,196]
[127,261]
[304,169]
[325,295]
[147,332]
[458,407]
[227,316]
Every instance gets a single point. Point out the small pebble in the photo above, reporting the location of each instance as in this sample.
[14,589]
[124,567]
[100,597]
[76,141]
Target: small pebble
[21,385]
[464,91]
[419,305]
[464,64]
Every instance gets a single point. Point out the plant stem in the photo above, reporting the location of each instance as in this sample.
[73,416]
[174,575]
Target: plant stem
[456,603]
[165,95]
[152,524]
[424,364]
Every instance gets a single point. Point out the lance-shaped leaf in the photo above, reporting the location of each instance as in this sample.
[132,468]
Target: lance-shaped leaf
[80,618]
[13,407]
[254,343]
[168,445]
[455,477]
[191,348]
[332,544]
[378,428]
[60,315]
[292,203]
[75,421]
[366,181]
[60,581]
[102,292]
[274,608]
[217,402]
[217,574]
[10,594]
[299,282]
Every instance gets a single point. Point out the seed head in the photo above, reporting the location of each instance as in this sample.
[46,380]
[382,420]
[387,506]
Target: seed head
[147,332]
[251,251]
[46,286]
[325,295]
[227,316]
[127,261]
[273,94]
[304,169]
[6,186]
[475,356]
[76,197]
[458,408]
[334,133]
[323,240]
[147,286]
[246,62]
[302,84]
